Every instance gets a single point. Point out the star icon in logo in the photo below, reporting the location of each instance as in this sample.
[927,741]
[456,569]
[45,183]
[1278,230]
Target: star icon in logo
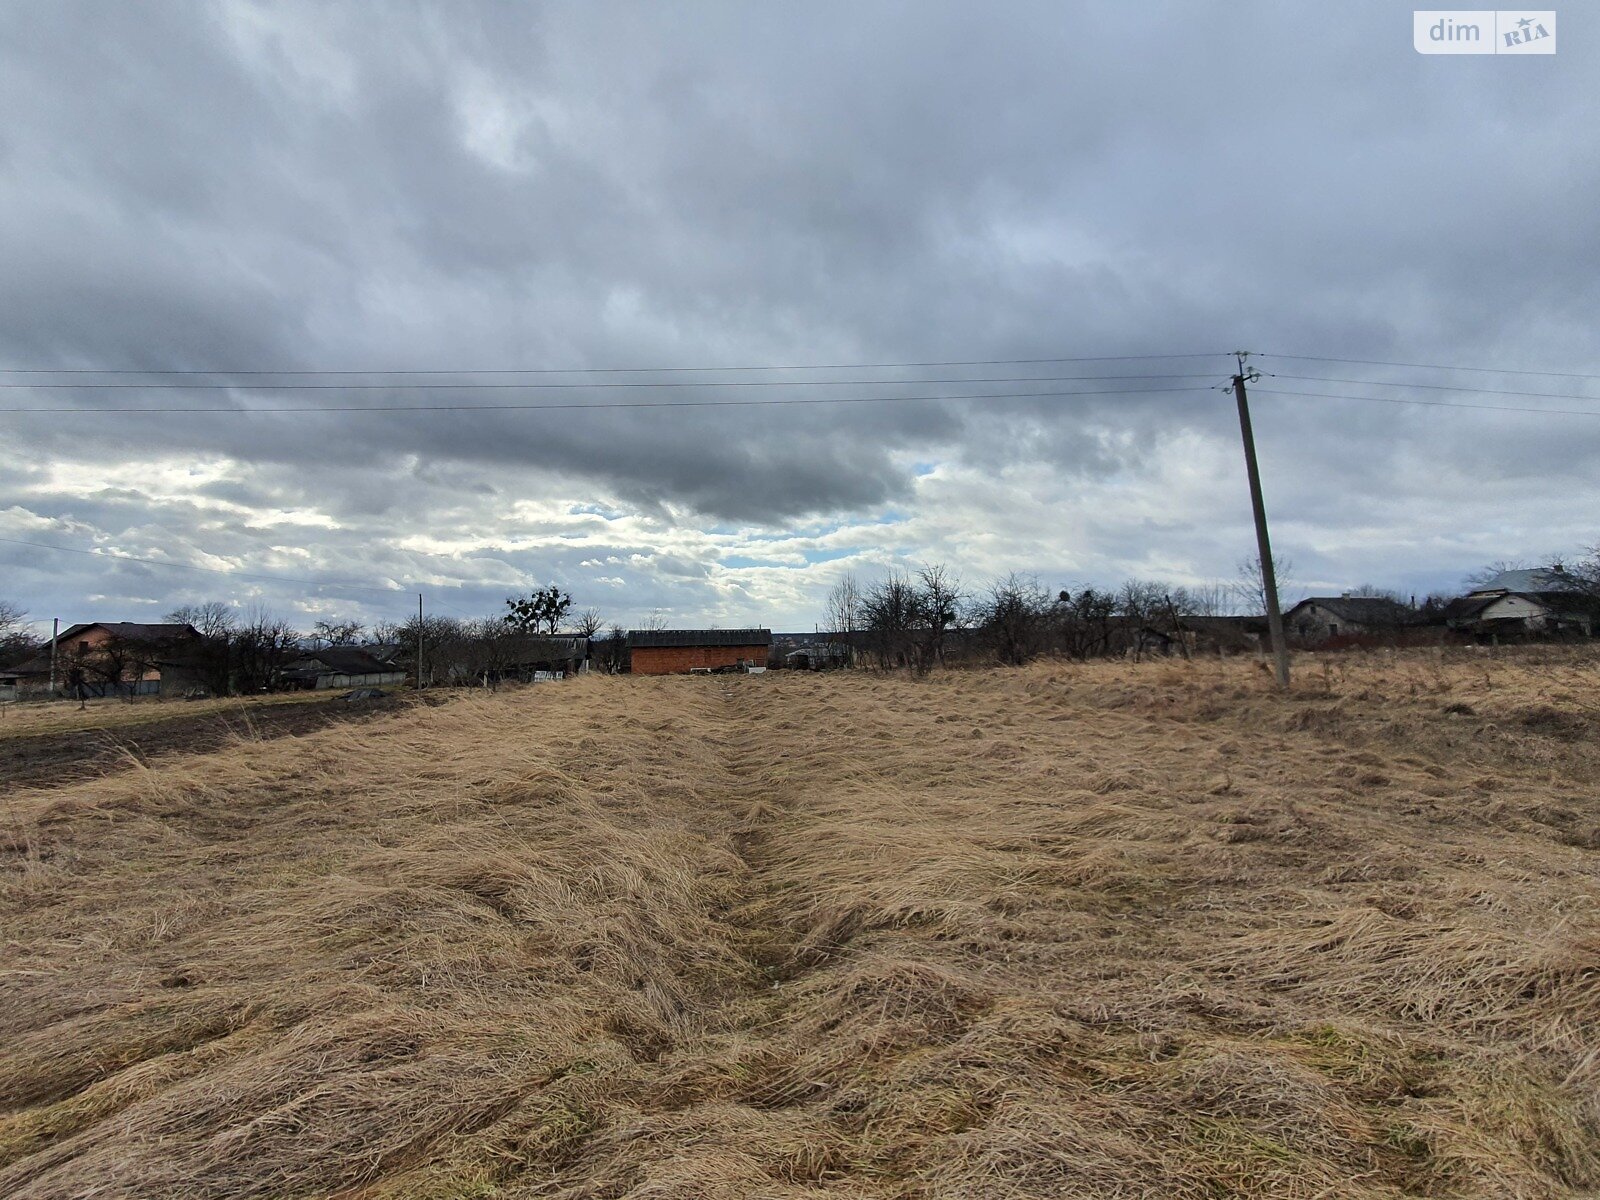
[1524,23]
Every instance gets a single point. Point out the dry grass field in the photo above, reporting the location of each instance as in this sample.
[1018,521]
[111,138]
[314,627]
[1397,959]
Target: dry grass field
[1103,931]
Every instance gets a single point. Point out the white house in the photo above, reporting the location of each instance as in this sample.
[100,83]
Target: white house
[1541,600]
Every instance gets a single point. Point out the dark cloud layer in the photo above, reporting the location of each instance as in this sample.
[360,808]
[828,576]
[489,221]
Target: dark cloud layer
[310,186]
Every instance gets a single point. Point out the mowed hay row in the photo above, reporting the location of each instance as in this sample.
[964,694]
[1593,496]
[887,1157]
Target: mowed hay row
[1118,930]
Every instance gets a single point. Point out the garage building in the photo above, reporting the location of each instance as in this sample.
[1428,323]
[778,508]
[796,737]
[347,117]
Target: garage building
[678,651]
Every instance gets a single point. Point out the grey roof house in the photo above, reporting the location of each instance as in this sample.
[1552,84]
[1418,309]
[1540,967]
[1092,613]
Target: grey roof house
[1319,618]
[342,667]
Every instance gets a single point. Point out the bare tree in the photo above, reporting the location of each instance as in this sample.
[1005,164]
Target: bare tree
[16,643]
[113,663]
[1152,615]
[443,641]
[214,618]
[1499,567]
[1582,575]
[1012,618]
[843,614]
[611,651]
[483,651]
[1249,589]
[842,617]
[588,623]
[1208,600]
[941,600]
[212,658]
[336,633]
[890,613]
[1085,620]
[263,645]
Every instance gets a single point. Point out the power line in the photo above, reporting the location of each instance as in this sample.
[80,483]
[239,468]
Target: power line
[1371,362]
[620,404]
[652,383]
[973,362]
[1517,408]
[1436,387]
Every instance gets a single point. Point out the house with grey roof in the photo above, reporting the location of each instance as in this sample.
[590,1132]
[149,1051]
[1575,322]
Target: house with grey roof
[342,667]
[1319,619]
[1526,603]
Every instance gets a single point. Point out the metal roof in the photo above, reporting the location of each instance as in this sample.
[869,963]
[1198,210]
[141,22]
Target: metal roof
[347,660]
[659,638]
[1532,579]
[135,631]
[1359,608]
[549,647]
[1464,608]
[1567,601]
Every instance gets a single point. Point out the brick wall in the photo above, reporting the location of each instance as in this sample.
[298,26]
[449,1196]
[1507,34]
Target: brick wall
[675,660]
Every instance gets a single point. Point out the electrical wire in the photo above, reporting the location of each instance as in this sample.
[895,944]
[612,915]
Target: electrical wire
[566,407]
[1259,391]
[1516,408]
[652,383]
[973,362]
[1372,362]
[1434,387]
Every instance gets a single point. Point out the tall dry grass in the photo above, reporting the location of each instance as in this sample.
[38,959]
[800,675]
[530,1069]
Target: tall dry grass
[1069,931]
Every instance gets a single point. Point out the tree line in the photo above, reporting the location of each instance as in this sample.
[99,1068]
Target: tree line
[923,618]
[245,650]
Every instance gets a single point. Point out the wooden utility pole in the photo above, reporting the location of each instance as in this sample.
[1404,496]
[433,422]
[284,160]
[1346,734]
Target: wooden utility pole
[1269,574]
[419,641]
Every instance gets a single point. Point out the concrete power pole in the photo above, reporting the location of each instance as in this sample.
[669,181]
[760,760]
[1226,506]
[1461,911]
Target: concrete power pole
[419,641]
[55,638]
[1269,574]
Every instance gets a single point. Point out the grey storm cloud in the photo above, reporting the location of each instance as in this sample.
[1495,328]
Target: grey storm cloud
[304,187]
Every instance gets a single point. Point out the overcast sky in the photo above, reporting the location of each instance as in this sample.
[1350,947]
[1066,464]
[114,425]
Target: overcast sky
[472,187]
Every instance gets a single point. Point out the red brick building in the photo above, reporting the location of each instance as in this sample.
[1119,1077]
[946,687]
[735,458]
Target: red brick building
[679,651]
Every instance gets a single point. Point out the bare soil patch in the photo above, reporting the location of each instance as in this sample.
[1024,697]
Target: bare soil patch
[65,755]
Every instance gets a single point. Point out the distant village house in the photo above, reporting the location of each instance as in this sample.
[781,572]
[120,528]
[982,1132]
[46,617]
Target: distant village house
[1320,619]
[342,667]
[1539,602]
[109,658]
